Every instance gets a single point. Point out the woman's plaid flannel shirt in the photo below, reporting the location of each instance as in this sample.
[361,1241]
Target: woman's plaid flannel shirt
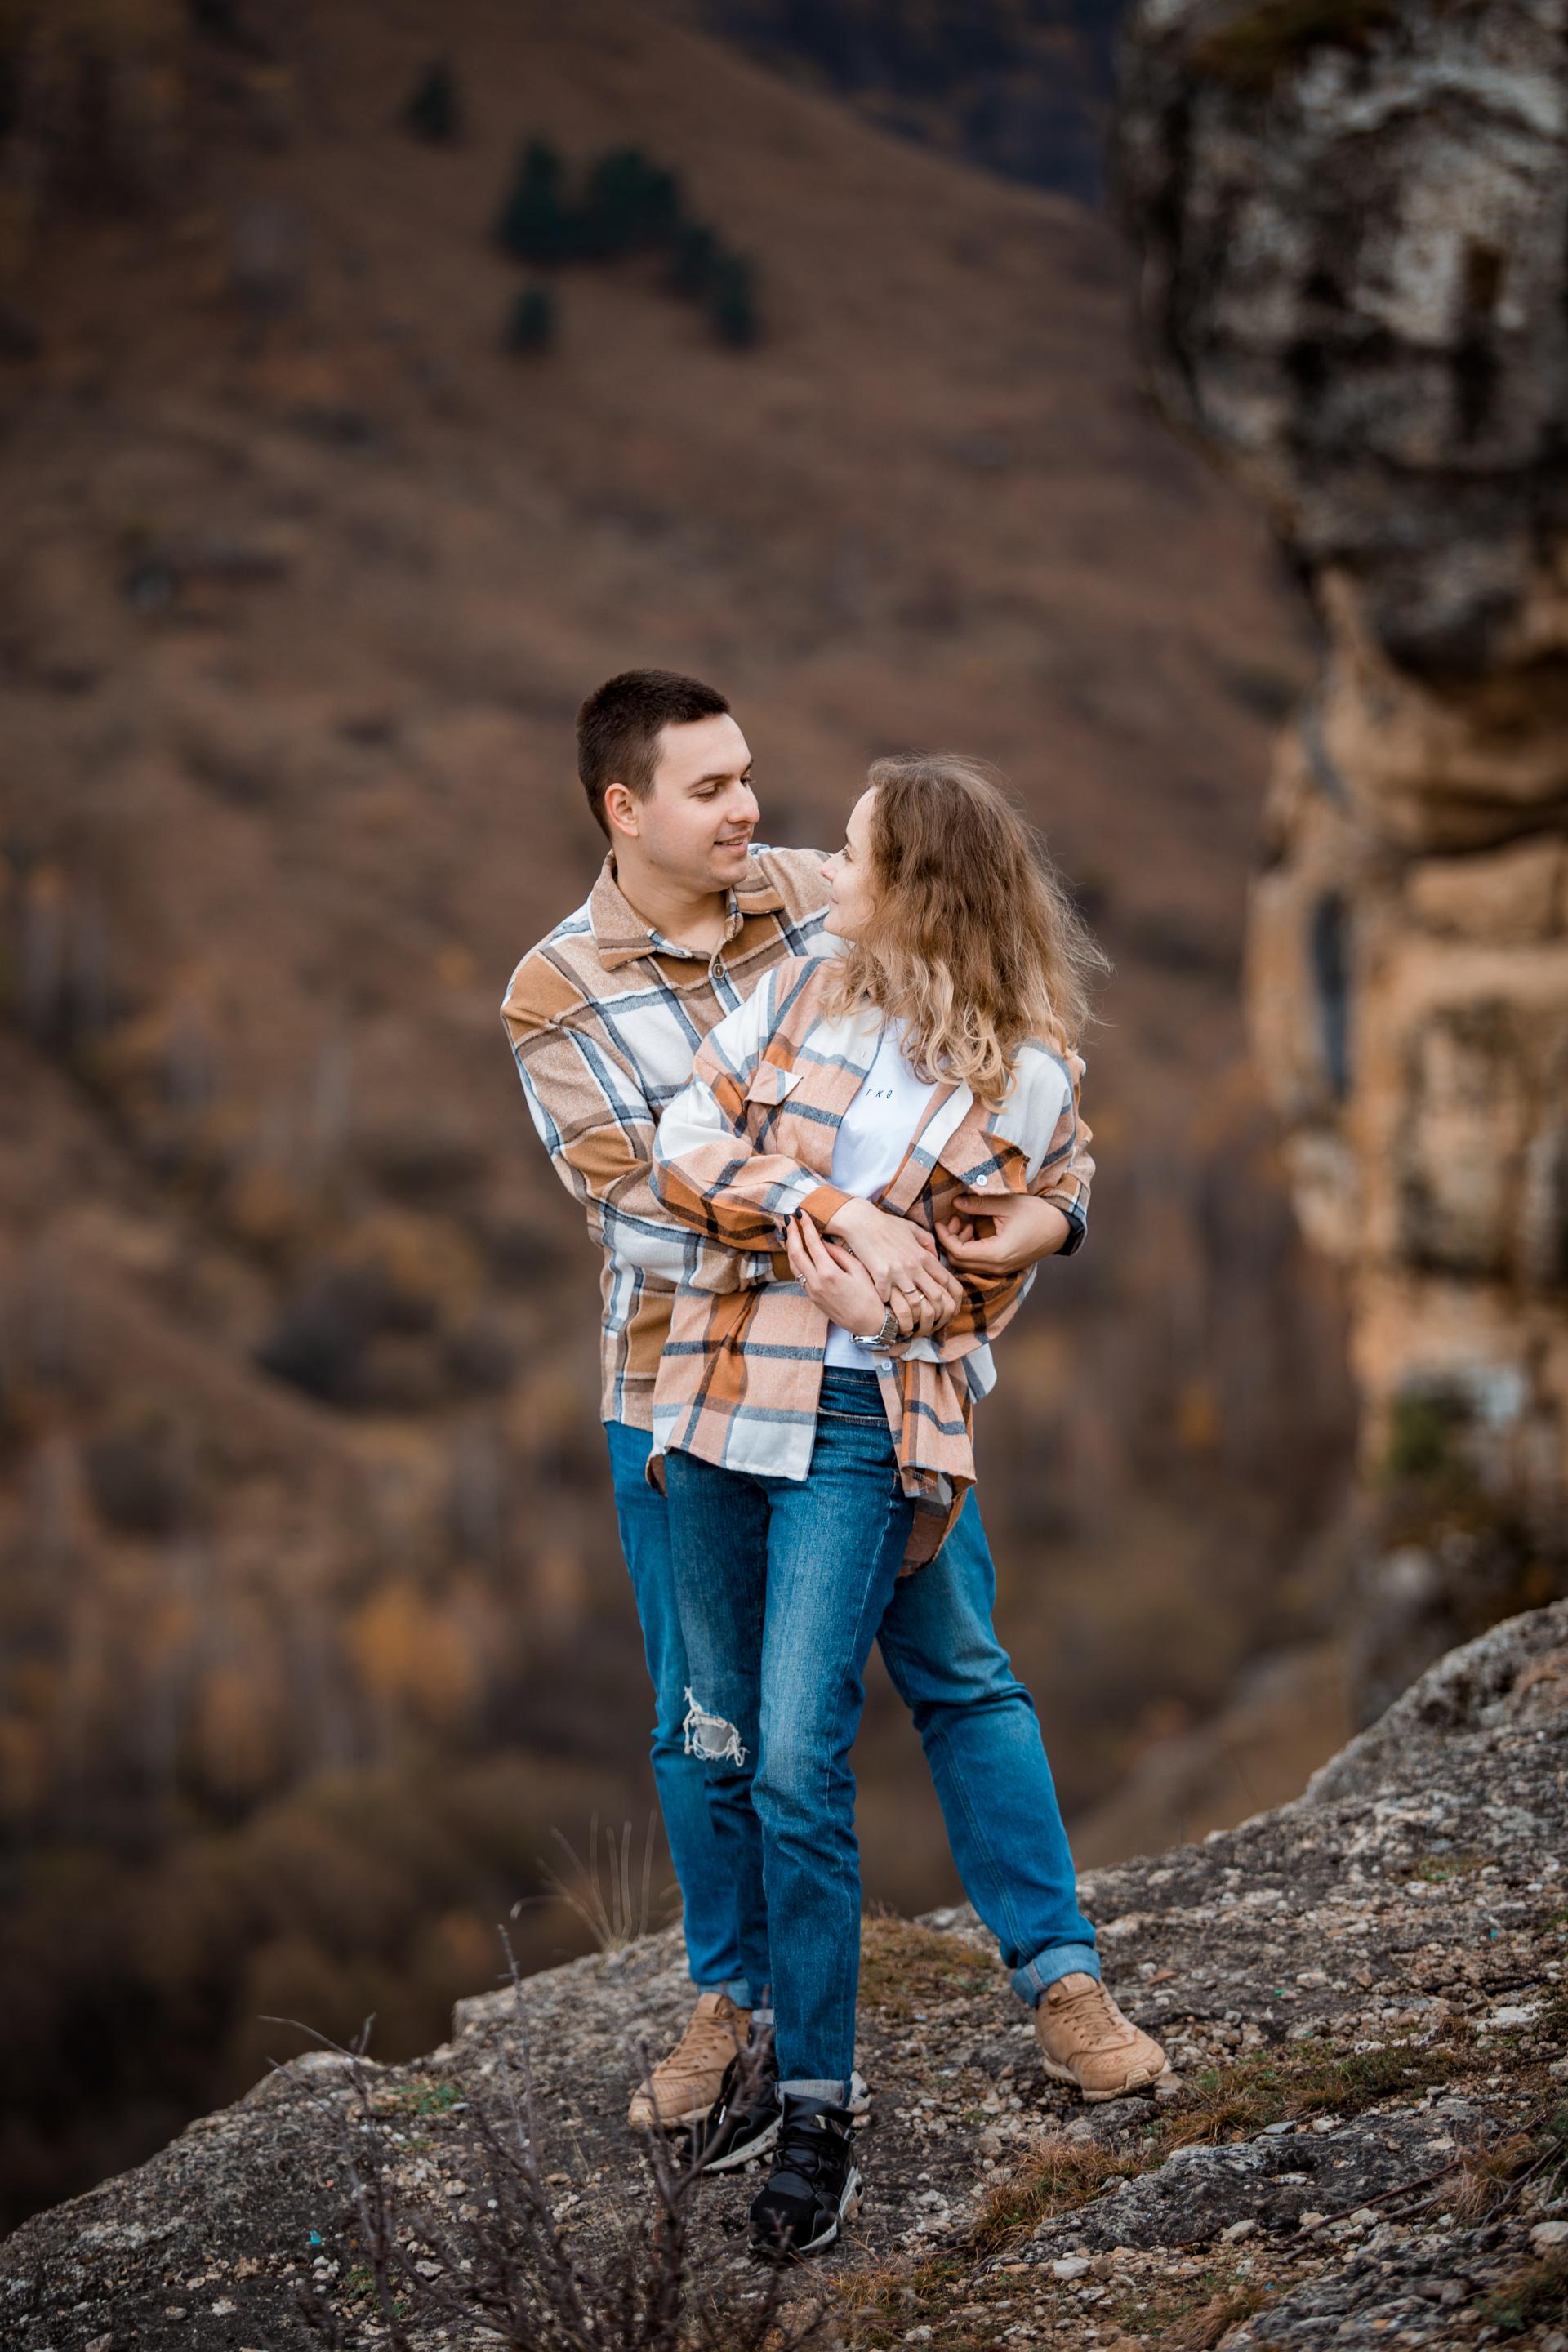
[748,1144]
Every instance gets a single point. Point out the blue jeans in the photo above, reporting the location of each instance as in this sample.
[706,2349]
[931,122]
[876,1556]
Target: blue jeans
[708,1897]
[975,1721]
[782,1584]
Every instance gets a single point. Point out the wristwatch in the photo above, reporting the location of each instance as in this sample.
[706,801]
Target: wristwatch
[882,1339]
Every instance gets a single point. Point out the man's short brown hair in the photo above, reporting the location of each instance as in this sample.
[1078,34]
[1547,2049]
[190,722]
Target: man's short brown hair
[618,730]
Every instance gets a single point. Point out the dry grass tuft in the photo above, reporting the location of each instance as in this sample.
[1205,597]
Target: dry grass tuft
[1055,2177]
[1484,2176]
[1202,2329]
[905,1968]
[1222,2103]
[1303,2078]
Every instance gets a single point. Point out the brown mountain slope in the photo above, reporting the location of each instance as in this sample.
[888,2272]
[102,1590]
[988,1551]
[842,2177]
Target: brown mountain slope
[312,1588]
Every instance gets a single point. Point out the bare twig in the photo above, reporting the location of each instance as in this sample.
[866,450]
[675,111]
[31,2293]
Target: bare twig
[512,2262]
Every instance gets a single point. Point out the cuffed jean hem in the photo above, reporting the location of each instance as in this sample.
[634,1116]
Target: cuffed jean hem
[739,1989]
[808,2087]
[1037,1975]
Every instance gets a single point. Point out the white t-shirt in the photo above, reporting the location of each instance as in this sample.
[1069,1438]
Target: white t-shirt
[874,1134]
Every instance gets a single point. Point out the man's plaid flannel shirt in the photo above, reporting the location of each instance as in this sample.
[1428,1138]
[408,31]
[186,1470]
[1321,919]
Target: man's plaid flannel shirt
[604,1018]
[748,1145]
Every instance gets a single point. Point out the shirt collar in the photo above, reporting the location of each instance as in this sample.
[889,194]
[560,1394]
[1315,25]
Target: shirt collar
[621,934]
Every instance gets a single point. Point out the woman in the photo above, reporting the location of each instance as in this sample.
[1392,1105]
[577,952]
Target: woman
[815,1442]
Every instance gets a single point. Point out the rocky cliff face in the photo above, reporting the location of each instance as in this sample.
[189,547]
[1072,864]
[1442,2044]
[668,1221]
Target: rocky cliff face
[1365,2141]
[1351,220]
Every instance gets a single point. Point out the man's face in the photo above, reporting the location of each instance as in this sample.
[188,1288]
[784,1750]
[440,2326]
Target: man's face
[697,823]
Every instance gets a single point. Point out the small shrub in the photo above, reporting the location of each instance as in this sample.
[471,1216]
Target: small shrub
[434,109]
[1531,2298]
[320,1341]
[531,322]
[136,1477]
[480,1357]
[1421,1432]
[693,254]
[732,303]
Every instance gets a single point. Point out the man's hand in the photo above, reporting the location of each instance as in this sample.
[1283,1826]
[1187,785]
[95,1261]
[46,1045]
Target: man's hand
[1002,1232]
[899,1256]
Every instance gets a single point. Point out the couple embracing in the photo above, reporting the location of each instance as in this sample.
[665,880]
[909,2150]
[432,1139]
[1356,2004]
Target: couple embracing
[822,1116]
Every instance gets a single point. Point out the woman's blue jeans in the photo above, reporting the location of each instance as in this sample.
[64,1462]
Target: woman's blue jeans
[975,1721]
[782,1584]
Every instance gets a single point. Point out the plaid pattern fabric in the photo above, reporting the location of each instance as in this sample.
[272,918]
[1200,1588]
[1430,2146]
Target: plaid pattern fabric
[603,1018]
[747,1145]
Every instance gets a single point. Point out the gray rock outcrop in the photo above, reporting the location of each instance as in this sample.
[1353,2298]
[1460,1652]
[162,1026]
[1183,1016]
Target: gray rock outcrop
[1350,221]
[1364,1994]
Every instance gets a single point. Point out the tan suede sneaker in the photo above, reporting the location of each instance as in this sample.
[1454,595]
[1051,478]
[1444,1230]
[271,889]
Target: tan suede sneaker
[1084,2039]
[683,2086]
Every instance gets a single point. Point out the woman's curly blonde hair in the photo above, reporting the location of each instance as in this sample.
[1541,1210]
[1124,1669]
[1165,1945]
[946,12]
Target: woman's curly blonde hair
[973,944]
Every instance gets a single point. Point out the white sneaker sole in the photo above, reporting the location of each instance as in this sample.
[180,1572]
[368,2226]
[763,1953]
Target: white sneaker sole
[758,2145]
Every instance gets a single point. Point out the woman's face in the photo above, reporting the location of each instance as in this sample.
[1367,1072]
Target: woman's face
[848,873]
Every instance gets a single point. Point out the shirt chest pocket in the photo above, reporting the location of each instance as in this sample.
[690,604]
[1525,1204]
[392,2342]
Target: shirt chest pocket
[767,1101]
[769,1085]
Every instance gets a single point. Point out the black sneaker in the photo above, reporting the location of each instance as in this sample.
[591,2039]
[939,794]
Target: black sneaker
[743,2120]
[814,2185]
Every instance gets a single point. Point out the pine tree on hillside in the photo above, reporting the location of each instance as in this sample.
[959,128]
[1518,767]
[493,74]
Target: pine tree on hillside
[693,256]
[536,224]
[435,109]
[732,303]
[630,205]
[531,321]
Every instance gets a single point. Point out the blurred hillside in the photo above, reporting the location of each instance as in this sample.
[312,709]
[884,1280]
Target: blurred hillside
[311,1619]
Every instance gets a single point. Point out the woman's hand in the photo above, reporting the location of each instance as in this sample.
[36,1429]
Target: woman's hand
[832,1277]
[902,1260]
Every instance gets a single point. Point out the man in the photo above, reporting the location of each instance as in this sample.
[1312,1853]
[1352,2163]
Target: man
[604,1017]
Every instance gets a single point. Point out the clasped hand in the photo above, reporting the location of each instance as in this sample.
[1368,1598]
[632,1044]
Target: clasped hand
[888,1261]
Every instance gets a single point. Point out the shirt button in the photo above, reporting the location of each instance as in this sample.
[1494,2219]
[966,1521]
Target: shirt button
[981,1181]
[883,1363]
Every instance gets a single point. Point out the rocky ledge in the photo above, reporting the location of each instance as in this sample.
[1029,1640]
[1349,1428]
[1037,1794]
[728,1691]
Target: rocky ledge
[1365,2141]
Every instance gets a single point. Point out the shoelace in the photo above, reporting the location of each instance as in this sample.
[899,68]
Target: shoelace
[1078,2010]
[700,2036]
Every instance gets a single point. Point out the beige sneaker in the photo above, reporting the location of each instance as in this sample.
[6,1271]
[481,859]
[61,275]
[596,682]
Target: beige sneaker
[683,2086]
[1084,2039]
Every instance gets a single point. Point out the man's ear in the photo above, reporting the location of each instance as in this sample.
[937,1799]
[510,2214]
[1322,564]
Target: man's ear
[621,810]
